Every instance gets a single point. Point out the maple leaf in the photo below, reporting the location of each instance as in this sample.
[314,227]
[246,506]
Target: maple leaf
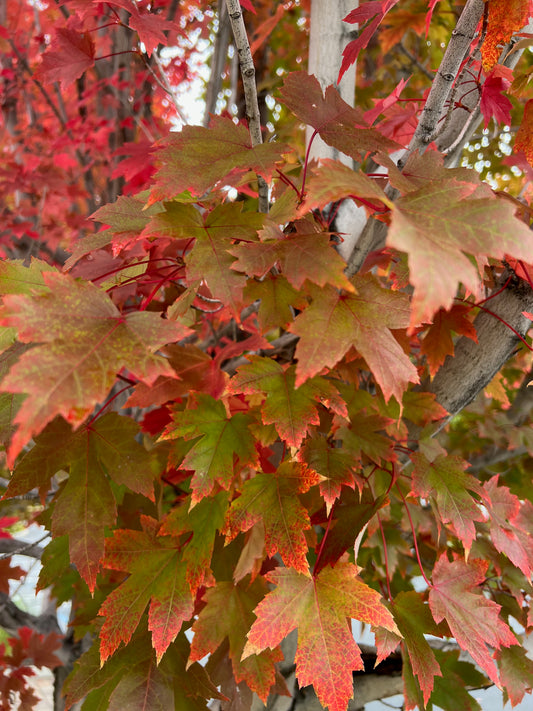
[335,466]
[223,440]
[17,278]
[382,105]
[69,56]
[505,18]
[350,514]
[157,578]
[375,11]
[151,28]
[414,621]
[422,408]
[332,180]
[247,4]
[36,649]
[364,435]
[447,483]
[277,299]
[338,124]
[210,258]
[442,223]
[291,410]
[306,254]
[334,323]
[199,158]
[85,505]
[127,217]
[327,653]
[437,342]
[473,619]
[228,613]
[508,519]
[273,499]
[516,673]
[493,103]
[450,692]
[84,342]
[204,521]
[196,371]
[132,679]
[9,572]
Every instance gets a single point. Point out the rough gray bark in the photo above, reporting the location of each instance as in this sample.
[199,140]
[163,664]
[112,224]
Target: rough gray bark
[474,365]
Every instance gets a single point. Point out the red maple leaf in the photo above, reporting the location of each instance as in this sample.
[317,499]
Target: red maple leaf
[273,499]
[69,56]
[473,619]
[375,10]
[327,653]
[248,6]
[448,485]
[335,322]
[510,524]
[493,102]
[291,409]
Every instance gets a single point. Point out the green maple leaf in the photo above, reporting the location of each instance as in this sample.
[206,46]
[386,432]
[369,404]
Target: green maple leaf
[301,255]
[103,451]
[132,679]
[157,578]
[327,653]
[414,621]
[16,278]
[338,124]
[273,499]
[335,322]
[204,521]
[223,441]
[335,466]
[474,620]
[291,410]
[447,483]
[199,158]
[228,613]
[214,233]
[126,216]
[442,223]
[516,673]
[277,299]
[84,342]
[450,692]
[365,435]
[349,516]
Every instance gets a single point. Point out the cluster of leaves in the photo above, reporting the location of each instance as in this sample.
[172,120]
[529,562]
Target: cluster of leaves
[274,466]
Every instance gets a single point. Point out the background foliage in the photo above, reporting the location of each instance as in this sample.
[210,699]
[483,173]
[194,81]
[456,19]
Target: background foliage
[226,434]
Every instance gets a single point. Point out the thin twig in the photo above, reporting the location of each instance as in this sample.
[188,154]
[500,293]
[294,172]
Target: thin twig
[415,61]
[456,51]
[250,89]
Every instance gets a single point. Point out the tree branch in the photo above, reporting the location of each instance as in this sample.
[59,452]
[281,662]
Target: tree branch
[250,89]
[456,51]
[12,546]
[474,365]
